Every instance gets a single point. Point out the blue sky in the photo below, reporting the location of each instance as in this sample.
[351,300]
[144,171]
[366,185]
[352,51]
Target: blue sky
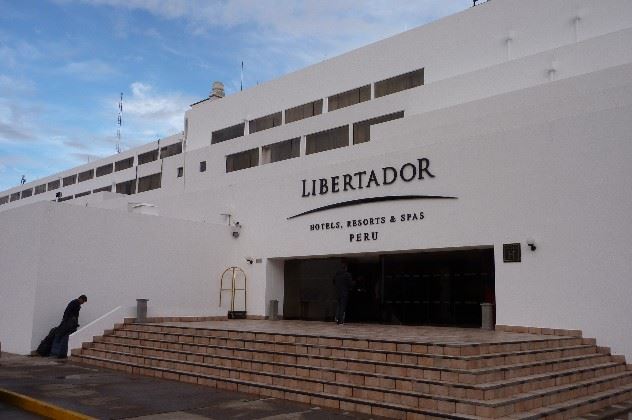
[64,63]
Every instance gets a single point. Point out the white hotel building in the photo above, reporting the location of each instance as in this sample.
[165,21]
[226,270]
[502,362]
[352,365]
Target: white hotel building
[482,158]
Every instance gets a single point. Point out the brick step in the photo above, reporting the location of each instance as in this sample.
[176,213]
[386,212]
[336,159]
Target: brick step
[464,362]
[441,403]
[551,396]
[350,403]
[512,358]
[620,410]
[451,349]
[470,376]
[386,381]
[437,360]
[584,405]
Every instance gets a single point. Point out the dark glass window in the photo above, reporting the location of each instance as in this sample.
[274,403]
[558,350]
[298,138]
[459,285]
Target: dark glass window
[69,180]
[147,157]
[15,196]
[327,140]
[124,164]
[60,199]
[362,129]
[27,193]
[105,169]
[242,160]
[304,111]
[108,188]
[127,187]
[171,150]
[149,182]
[82,194]
[40,189]
[180,172]
[203,166]
[53,185]
[264,123]
[84,176]
[227,133]
[4,200]
[350,97]
[283,150]
[398,83]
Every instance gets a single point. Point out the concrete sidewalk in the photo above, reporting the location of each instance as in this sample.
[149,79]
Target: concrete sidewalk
[107,394]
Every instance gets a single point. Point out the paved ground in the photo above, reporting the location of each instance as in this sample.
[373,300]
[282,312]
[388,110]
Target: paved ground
[107,394]
[8,412]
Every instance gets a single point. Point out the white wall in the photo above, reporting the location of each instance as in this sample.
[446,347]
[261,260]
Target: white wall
[19,265]
[113,257]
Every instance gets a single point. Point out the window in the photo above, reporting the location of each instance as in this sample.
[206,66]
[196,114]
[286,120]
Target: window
[328,139]
[399,83]
[227,133]
[180,172]
[84,176]
[105,169]
[147,157]
[69,180]
[263,123]
[98,190]
[171,150]
[242,160]
[127,187]
[53,185]
[27,193]
[362,129]
[40,189]
[203,166]
[282,150]
[82,194]
[4,200]
[350,97]
[149,182]
[124,164]
[15,196]
[304,111]
[60,199]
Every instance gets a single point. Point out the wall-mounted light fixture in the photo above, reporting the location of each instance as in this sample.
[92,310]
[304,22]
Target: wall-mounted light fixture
[531,243]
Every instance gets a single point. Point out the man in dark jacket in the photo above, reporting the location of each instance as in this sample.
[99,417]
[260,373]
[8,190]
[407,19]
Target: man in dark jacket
[68,325]
[343,282]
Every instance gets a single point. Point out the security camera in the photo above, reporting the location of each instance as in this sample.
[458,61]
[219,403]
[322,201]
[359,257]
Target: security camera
[531,244]
[235,229]
[250,260]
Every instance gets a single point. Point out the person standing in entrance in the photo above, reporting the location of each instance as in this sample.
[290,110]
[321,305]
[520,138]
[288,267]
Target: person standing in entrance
[343,282]
[68,325]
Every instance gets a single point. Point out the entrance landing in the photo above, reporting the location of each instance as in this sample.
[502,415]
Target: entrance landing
[373,332]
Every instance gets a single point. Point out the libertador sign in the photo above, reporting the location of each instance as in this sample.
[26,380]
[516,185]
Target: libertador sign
[367,179]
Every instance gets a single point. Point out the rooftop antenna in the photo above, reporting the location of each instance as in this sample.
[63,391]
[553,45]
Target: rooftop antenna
[241,85]
[119,122]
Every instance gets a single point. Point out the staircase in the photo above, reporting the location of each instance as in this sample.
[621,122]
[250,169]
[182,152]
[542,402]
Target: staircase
[524,376]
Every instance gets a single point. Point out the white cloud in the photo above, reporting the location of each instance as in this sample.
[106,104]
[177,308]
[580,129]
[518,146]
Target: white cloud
[329,26]
[89,69]
[149,114]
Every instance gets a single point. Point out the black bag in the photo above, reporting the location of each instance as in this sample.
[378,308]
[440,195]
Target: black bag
[47,343]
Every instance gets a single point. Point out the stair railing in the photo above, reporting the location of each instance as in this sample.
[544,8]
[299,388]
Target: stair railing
[96,327]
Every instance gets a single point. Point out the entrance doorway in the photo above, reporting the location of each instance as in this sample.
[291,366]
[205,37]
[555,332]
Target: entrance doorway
[421,288]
